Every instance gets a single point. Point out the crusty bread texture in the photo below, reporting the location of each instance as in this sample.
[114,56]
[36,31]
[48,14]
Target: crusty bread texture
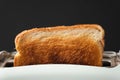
[76,44]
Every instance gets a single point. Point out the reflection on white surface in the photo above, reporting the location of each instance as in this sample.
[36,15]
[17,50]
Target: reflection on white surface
[60,72]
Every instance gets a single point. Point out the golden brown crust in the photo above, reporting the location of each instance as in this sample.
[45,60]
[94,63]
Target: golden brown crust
[95,26]
[82,50]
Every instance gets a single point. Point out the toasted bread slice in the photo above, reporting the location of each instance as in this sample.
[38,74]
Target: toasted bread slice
[77,44]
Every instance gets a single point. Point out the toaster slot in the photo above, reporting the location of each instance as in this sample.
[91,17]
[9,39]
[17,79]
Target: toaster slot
[110,59]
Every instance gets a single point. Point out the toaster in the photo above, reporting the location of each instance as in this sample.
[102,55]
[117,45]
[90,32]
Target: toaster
[110,69]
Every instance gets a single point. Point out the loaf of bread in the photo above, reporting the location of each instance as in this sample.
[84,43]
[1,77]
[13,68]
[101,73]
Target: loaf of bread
[77,44]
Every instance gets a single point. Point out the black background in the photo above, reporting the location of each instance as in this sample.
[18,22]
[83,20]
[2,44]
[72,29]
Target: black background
[18,15]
